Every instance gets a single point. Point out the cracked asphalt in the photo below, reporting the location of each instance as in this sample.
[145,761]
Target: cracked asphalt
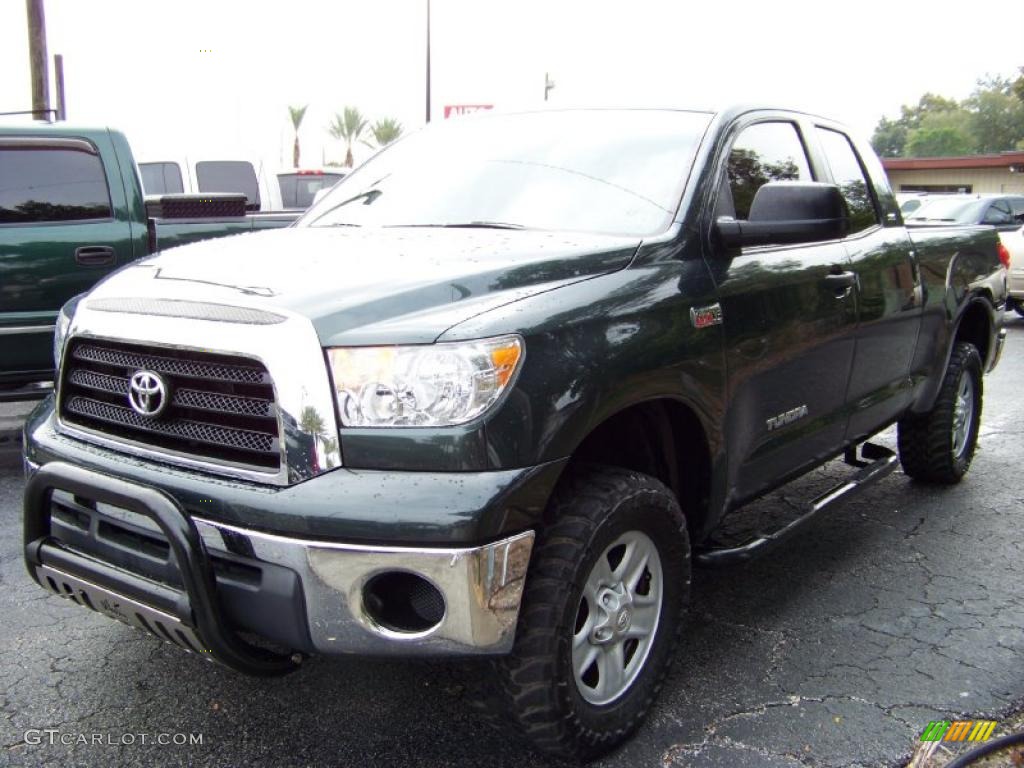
[836,649]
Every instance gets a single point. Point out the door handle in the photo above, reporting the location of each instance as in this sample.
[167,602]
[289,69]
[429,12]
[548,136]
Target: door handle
[841,283]
[94,255]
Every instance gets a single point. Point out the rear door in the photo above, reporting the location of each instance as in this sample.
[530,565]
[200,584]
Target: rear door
[58,237]
[888,294]
[789,331]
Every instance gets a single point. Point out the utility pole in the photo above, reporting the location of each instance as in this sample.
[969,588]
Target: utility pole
[58,74]
[548,85]
[40,74]
[428,61]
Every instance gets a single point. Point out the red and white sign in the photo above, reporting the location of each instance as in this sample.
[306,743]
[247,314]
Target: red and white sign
[457,110]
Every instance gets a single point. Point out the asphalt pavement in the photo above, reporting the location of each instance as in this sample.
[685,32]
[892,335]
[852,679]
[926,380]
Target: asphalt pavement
[837,649]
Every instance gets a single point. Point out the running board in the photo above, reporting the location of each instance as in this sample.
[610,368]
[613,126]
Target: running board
[877,462]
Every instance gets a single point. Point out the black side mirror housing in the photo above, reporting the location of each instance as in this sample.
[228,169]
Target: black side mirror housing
[786,213]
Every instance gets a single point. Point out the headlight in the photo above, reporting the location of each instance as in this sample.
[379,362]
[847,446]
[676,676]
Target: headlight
[431,385]
[60,330]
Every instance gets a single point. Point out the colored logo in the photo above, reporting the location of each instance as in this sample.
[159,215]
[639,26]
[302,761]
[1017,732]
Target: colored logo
[147,393]
[958,730]
[705,317]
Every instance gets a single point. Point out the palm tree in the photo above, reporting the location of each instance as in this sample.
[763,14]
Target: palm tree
[348,127]
[297,114]
[384,131]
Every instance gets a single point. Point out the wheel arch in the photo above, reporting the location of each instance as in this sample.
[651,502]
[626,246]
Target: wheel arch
[664,437]
[975,323]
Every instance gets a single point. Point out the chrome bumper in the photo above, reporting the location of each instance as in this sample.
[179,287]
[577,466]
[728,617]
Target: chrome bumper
[476,603]
[481,586]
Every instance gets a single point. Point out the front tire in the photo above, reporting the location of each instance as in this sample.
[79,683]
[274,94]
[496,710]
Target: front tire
[602,611]
[937,447]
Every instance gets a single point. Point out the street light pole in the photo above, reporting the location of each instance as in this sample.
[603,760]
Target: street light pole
[428,61]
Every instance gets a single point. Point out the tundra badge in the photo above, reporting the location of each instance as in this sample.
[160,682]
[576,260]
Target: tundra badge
[786,417]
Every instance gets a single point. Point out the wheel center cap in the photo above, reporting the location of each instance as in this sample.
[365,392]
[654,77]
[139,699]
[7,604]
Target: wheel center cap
[623,620]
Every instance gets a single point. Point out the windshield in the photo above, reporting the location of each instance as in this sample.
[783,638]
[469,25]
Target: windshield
[604,171]
[951,211]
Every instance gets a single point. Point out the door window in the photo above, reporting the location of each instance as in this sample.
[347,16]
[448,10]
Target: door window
[45,184]
[849,176]
[763,152]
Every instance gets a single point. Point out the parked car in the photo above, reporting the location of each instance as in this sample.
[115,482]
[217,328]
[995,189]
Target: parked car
[71,212]
[299,187]
[910,201]
[1004,212]
[503,415]
[1013,243]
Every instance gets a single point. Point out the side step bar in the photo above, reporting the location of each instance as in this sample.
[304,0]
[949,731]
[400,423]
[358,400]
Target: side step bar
[876,463]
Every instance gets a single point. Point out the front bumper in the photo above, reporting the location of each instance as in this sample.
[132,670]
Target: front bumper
[480,586]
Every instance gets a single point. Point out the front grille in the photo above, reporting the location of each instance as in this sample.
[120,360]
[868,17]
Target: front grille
[221,408]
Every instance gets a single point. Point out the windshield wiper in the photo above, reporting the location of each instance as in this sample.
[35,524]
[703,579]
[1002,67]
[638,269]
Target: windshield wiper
[466,225]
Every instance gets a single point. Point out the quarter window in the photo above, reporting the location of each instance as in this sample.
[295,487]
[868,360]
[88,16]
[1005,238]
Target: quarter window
[849,176]
[42,184]
[763,152]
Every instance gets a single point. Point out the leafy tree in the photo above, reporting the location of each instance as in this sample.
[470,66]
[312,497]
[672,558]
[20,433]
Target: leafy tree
[942,134]
[997,115]
[891,136]
[348,127]
[297,113]
[990,120]
[384,131]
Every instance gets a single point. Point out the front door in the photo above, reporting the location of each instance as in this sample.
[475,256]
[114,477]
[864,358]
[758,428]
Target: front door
[789,324]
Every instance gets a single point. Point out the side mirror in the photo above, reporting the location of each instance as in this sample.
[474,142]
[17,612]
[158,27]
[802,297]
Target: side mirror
[786,213]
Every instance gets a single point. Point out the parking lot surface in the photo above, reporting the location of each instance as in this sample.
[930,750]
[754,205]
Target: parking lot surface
[904,606]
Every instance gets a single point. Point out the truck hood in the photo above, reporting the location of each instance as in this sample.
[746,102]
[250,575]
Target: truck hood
[373,286]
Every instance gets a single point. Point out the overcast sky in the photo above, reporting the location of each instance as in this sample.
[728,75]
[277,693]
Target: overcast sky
[194,77]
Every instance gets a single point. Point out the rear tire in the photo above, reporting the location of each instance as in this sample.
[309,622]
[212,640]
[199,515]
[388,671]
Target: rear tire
[602,611]
[937,447]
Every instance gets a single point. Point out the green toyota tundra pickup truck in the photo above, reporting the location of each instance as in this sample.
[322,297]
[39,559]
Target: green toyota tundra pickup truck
[71,212]
[494,393]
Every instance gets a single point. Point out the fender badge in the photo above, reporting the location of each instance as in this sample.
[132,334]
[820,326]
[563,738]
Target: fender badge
[703,317]
[786,417]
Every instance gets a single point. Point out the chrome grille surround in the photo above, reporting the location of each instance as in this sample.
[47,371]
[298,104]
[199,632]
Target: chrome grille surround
[289,351]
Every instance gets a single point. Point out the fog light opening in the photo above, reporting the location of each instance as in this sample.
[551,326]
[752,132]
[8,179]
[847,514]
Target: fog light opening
[403,602]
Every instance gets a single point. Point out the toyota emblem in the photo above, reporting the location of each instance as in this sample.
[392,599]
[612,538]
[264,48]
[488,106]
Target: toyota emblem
[147,393]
